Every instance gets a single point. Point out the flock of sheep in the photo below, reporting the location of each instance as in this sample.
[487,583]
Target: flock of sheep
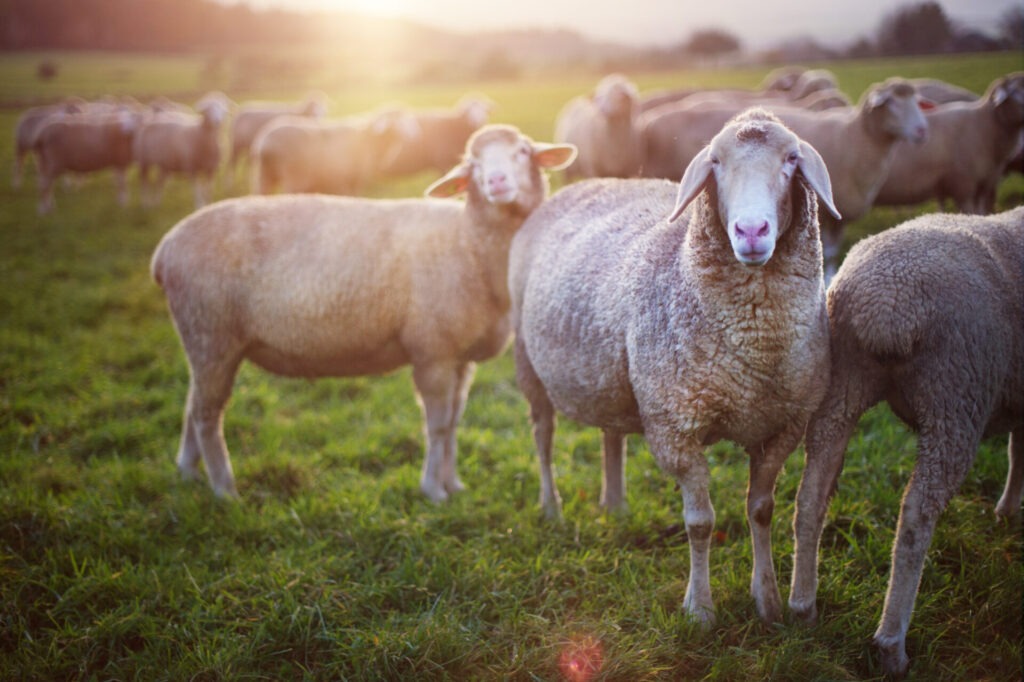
[688,304]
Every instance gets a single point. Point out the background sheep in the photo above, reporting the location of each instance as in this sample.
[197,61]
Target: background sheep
[252,116]
[969,146]
[336,157]
[84,143]
[603,126]
[332,286]
[437,137]
[635,316]
[928,316]
[173,142]
[29,123]
[857,145]
[787,84]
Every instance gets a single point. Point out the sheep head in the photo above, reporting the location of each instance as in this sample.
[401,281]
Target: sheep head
[1006,96]
[502,166]
[752,163]
[894,108]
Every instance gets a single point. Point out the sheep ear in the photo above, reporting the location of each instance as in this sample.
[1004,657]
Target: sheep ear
[877,98]
[695,177]
[454,182]
[813,168]
[553,156]
[1000,95]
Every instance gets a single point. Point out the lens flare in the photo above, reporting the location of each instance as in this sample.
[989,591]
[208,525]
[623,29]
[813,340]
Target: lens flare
[581,660]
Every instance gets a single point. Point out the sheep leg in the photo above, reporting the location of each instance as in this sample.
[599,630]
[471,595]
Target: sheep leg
[121,183]
[613,481]
[46,181]
[1009,503]
[437,386]
[156,189]
[945,453]
[202,190]
[542,417]
[208,395]
[19,169]
[765,464]
[449,472]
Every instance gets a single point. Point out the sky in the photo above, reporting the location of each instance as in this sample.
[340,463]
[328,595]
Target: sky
[757,23]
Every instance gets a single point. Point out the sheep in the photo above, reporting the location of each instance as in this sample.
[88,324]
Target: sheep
[941,92]
[969,147]
[928,316]
[436,137]
[857,144]
[793,85]
[637,314]
[84,143]
[29,123]
[338,156]
[317,285]
[175,142]
[603,126]
[252,116]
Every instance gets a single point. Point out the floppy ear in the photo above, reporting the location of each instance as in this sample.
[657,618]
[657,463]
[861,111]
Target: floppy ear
[454,182]
[877,98]
[813,168]
[695,177]
[553,156]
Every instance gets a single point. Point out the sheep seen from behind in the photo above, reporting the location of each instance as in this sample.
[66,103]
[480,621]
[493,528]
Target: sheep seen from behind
[689,320]
[604,128]
[317,285]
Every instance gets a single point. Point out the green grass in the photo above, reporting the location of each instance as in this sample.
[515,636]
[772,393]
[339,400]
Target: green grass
[333,566]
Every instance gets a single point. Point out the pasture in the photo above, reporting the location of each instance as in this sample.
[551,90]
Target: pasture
[333,565]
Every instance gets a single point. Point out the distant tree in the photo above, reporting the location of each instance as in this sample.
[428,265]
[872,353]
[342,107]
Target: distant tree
[921,28]
[1011,27]
[861,49]
[711,43]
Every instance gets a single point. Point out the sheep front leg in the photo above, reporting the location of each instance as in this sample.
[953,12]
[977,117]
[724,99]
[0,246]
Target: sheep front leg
[121,182]
[542,417]
[613,480]
[437,387]
[1009,502]
[765,464]
[449,471]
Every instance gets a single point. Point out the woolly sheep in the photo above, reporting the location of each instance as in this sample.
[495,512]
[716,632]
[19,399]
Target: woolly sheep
[338,156]
[252,116]
[603,126]
[970,145]
[436,137]
[84,143]
[928,316]
[181,143]
[28,125]
[317,285]
[791,84]
[857,145]
[689,326]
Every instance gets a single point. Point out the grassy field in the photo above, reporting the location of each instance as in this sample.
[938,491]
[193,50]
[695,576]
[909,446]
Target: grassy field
[333,566]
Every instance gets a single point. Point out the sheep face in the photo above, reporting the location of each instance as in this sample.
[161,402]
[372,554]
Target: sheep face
[895,108]
[502,166]
[752,162]
[616,97]
[1007,98]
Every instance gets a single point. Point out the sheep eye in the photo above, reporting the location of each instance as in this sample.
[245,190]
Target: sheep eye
[715,160]
[793,157]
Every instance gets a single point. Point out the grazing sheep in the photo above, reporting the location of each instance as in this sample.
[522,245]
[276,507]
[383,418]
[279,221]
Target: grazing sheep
[84,143]
[175,142]
[928,316]
[689,326]
[339,156]
[970,145]
[253,116]
[857,145]
[941,92]
[29,123]
[316,285]
[603,126]
[791,84]
[437,137]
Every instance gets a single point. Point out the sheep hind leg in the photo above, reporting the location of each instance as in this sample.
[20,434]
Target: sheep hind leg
[189,452]
[944,458]
[613,480]
[542,419]
[208,396]
[449,470]
[1009,502]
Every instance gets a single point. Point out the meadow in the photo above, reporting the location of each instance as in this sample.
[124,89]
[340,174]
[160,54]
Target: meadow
[332,565]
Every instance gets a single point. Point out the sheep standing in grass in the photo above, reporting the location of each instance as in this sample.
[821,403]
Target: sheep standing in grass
[436,137]
[339,156]
[928,316]
[251,117]
[84,143]
[689,326]
[28,125]
[603,126]
[315,285]
[173,142]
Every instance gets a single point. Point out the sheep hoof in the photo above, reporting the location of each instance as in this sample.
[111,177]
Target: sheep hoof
[1005,512]
[805,614]
[769,610]
[435,492]
[227,492]
[895,662]
[703,616]
[454,486]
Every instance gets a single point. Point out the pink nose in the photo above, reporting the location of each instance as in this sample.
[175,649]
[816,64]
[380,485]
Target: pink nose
[751,230]
[497,181]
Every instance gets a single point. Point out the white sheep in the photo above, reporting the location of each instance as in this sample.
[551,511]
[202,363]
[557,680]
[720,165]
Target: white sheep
[317,285]
[84,143]
[970,145]
[337,156]
[436,137]
[252,116]
[857,144]
[174,142]
[928,316]
[603,126]
[689,326]
[28,124]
